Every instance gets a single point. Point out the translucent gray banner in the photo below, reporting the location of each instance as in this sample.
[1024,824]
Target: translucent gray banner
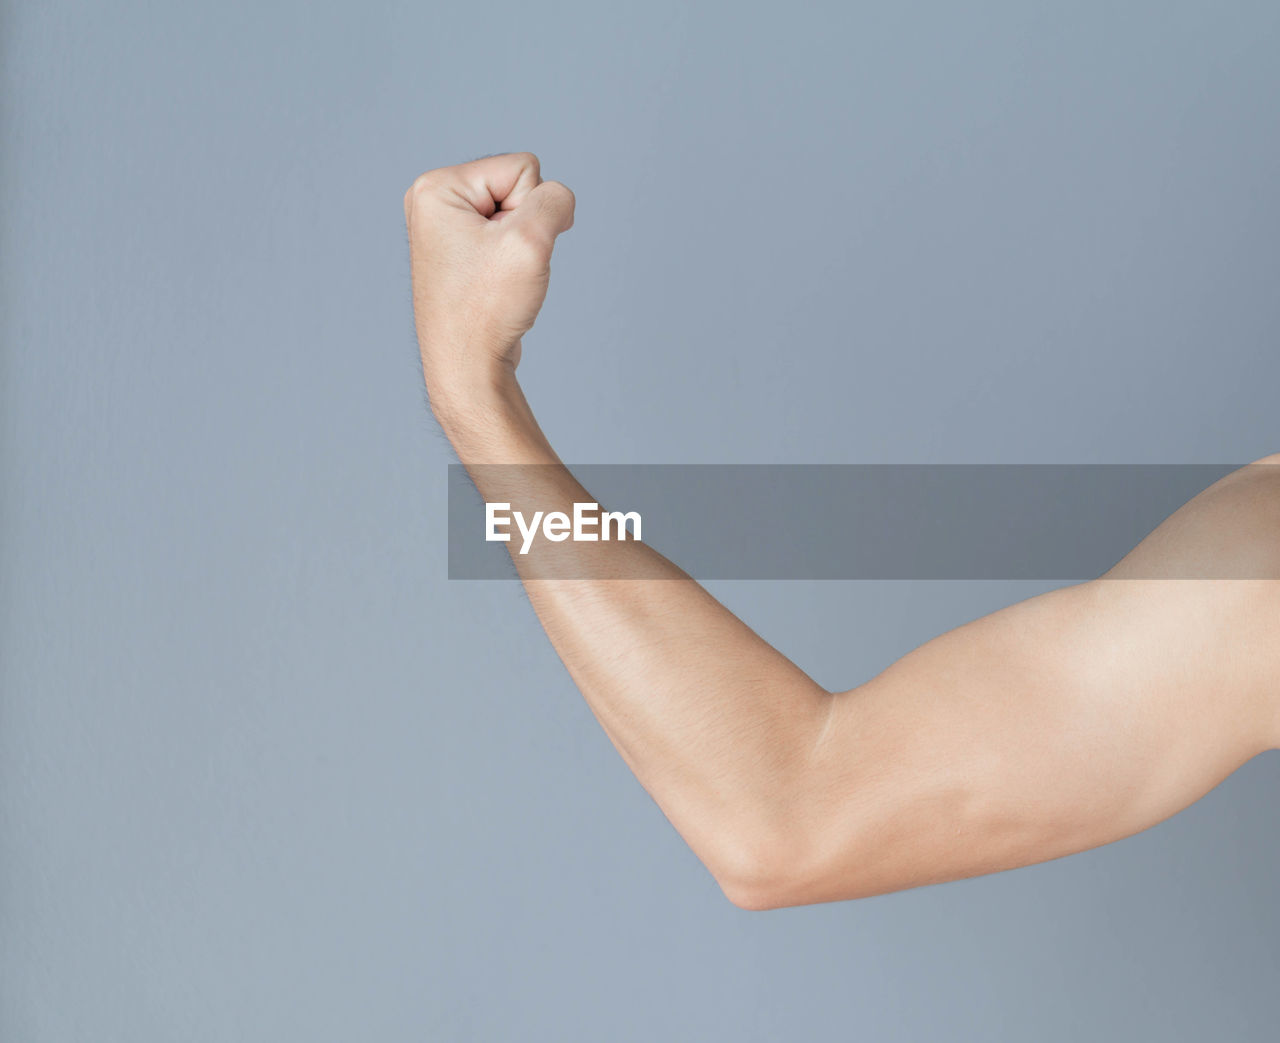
[841,522]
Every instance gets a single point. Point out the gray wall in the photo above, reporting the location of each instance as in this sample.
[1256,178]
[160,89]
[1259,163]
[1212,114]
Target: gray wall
[265,774]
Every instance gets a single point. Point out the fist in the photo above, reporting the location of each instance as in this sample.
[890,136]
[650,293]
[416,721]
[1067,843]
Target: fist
[480,240]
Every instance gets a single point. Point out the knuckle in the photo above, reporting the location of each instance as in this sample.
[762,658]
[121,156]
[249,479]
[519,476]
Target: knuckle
[426,182]
[527,244]
[526,237]
[423,188]
[564,190]
[422,184]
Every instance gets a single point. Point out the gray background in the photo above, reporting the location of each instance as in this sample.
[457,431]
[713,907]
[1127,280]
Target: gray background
[265,774]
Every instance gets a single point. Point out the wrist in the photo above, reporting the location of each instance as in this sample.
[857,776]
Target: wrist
[463,372]
[459,400]
[486,417]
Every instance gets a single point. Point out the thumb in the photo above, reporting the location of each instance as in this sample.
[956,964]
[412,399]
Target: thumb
[548,207]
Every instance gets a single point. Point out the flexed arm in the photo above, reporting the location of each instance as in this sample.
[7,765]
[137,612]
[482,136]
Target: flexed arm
[1057,724]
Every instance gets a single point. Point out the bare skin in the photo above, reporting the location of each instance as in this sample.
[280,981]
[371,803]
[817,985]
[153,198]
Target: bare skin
[1054,725]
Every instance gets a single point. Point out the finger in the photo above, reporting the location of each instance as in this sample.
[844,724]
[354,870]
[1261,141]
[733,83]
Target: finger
[497,183]
[548,207]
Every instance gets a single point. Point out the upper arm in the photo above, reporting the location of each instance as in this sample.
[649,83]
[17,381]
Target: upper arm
[1055,725]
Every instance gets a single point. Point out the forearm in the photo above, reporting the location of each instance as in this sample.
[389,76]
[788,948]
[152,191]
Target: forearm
[715,723]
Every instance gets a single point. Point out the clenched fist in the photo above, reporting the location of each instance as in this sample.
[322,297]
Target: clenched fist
[480,240]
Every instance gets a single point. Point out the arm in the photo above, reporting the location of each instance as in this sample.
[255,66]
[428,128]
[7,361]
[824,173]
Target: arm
[1052,726]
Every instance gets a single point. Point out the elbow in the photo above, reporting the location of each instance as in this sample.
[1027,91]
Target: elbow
[755,894]
[759,874]
[755,898]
